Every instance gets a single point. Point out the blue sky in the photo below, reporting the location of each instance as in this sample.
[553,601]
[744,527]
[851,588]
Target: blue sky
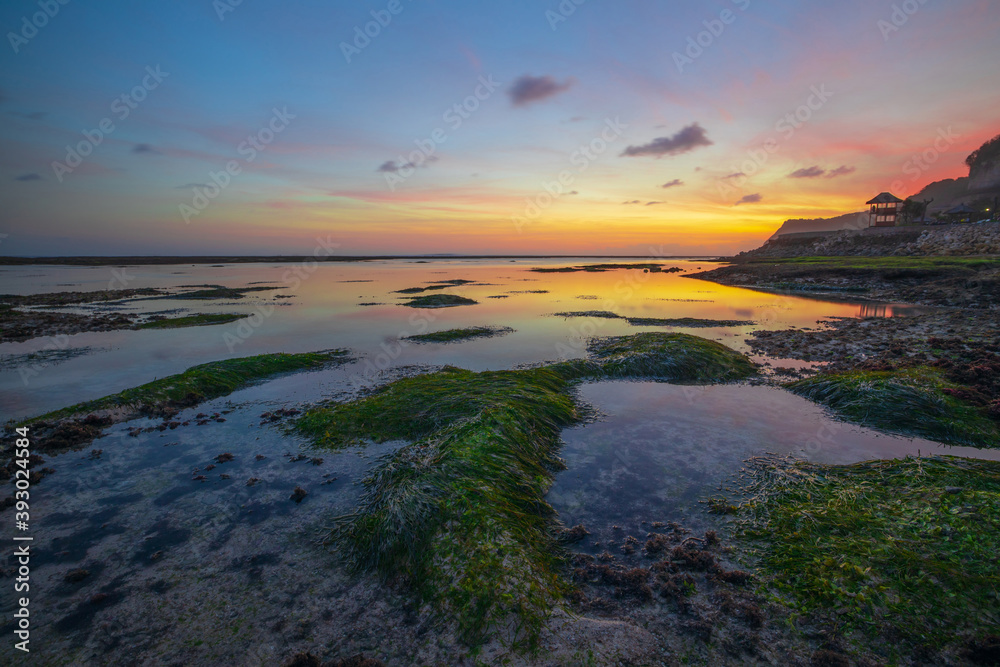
[225,73]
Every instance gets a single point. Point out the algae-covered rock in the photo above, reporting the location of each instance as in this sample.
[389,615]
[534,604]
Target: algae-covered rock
[910,401]
[460,512]
[674,357]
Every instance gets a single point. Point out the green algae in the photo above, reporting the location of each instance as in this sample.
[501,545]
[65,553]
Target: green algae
[219,292]
[459,512]
[686,322]
[674,357]
[910,401]
[439,301]
[682,322]
[198,383]
[206,319]
[902,549]
[458,335]
[603,314]
[599,268]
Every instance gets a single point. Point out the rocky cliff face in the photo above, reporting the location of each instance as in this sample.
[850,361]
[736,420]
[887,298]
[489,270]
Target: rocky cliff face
[901,241]
[984,177]
[857,220]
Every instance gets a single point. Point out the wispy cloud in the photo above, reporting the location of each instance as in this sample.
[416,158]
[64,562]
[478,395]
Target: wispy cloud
[673,184]
[528,89]
[750,199]
[653,203]
[28,177]
[735,174]
[686,140]
[842,170]
[393,167]
[816,171]
[808,172]
[145,149]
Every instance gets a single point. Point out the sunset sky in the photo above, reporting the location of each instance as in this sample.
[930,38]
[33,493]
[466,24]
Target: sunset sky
[449,130]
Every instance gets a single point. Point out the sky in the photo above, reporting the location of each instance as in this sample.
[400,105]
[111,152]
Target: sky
[438,126]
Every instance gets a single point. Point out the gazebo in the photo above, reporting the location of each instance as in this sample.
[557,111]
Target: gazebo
[884,209]
[960,213]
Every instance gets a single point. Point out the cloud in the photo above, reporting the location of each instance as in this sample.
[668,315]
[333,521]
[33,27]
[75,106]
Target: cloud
[574,192]
[672,184]
[653,203]
[576,119]
[393,167]
[736,174]
[808,172]
[389,167]
[686,140]
[528,89]
[749,199]
[842,170]
[145,148]
[634,201]
[191,185]
[28,177]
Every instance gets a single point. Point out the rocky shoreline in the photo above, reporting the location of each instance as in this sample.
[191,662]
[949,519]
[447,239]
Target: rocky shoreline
[959,283]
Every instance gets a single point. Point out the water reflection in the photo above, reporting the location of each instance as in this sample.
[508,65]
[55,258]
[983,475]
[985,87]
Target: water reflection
[321,309]
[661,448]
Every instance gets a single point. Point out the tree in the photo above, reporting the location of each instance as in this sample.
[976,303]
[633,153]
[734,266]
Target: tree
[987,153]
[912,210]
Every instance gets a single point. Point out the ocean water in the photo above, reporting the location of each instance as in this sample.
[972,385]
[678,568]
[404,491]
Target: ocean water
[317,307]
[175,554]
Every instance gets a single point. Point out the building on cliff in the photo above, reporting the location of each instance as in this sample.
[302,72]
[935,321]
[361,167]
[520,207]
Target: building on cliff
[884,210]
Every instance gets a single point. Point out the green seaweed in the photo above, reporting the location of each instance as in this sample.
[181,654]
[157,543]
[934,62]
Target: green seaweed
[199,383]
[905,549]
[688,322]
[457,335]
[910,401]
[439,301]
[191,321]
[460,512]
[676,357]
[603,314]
[598,268]
[219,292]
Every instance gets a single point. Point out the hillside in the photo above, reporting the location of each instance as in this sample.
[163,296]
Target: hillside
[916,241]
[857,220]
[977,190]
